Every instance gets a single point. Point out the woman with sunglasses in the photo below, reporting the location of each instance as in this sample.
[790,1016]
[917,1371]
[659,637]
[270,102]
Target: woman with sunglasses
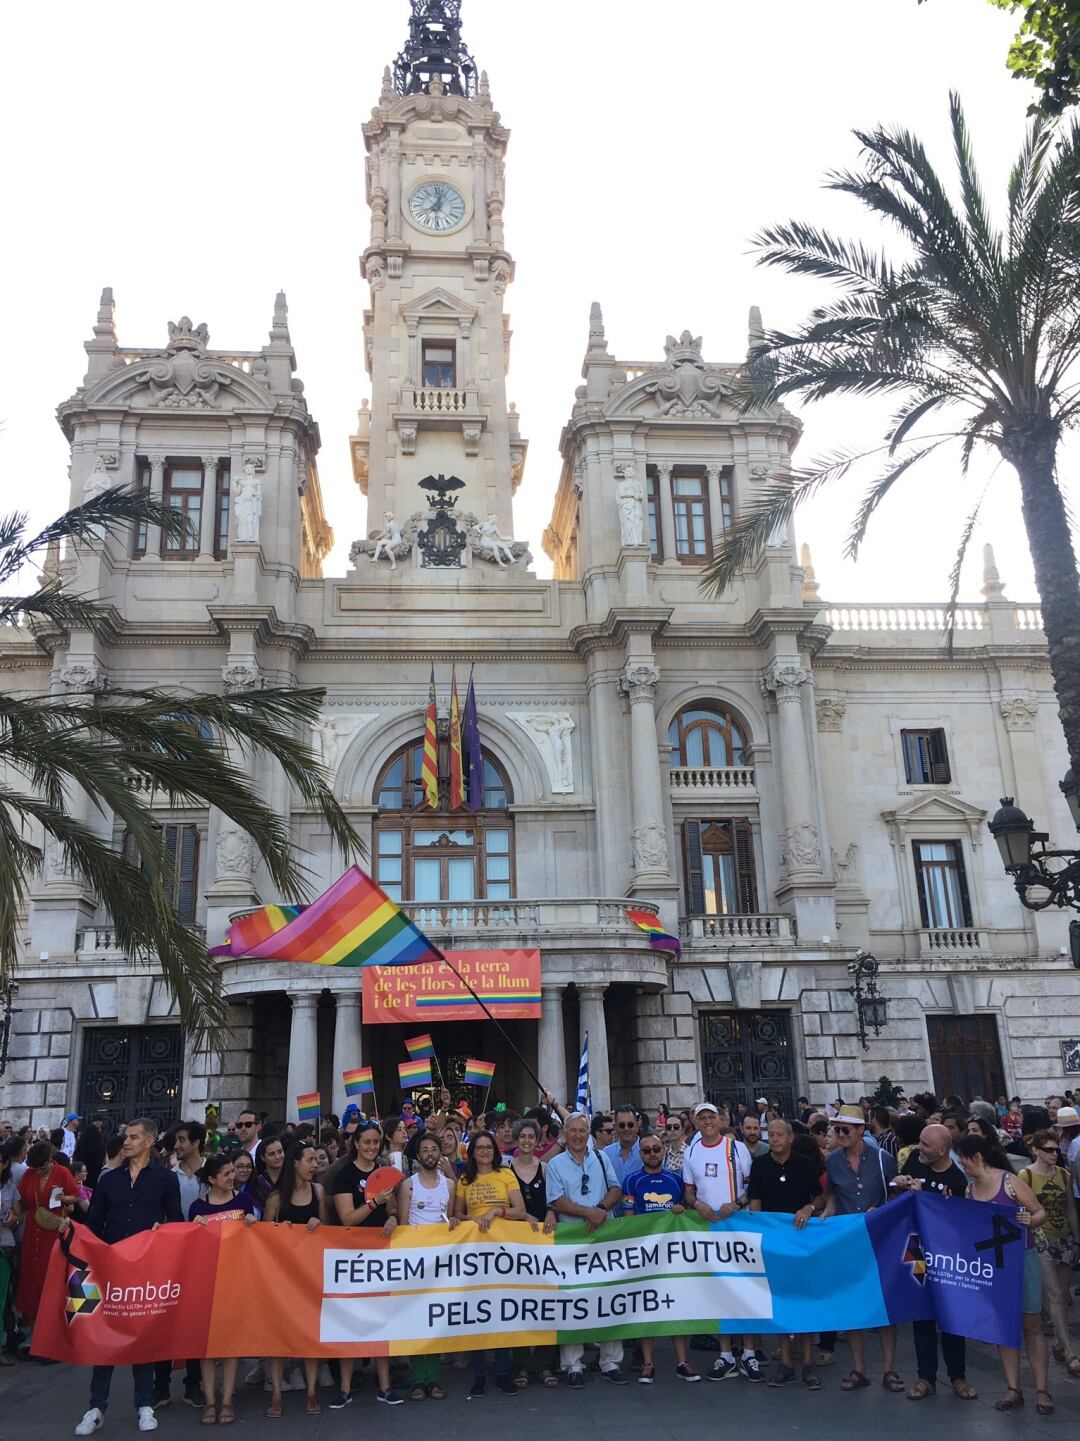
[355,1207]
[990,1181]
[1056,1240]
[488,1191]
[675,1139]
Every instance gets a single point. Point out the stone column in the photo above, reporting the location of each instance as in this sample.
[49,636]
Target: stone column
[348,1046]
[666,510]
[157,490]
[551,1054]
[716,509]
[648,836]
[209,507]
[591,1013]
[303,1048]
[800,840]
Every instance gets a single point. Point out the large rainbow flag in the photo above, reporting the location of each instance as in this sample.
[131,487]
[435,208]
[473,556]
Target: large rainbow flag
[355,923]
[659,939]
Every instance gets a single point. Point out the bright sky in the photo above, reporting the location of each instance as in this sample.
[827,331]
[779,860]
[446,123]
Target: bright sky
[197,158]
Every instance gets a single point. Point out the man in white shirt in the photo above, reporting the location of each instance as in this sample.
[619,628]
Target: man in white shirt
[716,1169]
[67,1141]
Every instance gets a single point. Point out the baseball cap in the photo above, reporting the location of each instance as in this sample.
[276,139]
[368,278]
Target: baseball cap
[762,1101]
[72,1116]
[705,1106]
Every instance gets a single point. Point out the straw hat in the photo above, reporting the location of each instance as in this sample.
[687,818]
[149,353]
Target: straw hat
[850,1113]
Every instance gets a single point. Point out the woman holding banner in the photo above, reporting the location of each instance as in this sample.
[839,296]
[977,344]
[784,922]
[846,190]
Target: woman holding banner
[269,1160]
[996,1186]
[221,1203]
[296,1200]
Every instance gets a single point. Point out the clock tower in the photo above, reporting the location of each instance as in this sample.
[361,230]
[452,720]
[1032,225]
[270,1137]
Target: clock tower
[436,338]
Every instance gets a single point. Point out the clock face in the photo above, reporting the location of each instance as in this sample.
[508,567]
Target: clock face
[437,206]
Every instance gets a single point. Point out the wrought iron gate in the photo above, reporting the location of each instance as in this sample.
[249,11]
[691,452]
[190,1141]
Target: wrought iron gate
[966,1056]
[130,1071]
[747,1054]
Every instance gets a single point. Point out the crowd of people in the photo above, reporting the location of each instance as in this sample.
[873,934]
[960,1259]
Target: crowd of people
[546,1165]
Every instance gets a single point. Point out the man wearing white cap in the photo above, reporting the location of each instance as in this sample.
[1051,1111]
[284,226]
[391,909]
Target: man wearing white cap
[716,1169]
[1067,1125]
[858,1178]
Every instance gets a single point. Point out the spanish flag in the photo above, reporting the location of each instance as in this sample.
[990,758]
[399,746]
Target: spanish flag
[429,767]
[457,767]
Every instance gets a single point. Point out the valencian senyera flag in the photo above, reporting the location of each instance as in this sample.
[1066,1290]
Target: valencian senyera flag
[429,765]
[355,923]
[659,939]
[457,763]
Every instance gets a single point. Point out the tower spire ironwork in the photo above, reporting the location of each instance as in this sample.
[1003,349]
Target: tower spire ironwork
[435,51]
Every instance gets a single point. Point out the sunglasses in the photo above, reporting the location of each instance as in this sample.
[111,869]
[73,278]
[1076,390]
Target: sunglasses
[1047,1150]
[627,1125]
[247,1125]
[651,1150]
[584,1185]
[842,1130]
[673,1126]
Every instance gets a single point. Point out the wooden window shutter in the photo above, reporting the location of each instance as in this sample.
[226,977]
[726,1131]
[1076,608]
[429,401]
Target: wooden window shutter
[744,864]
[695,885]
[939,758]
[187,874]
[961,878]
[920,884]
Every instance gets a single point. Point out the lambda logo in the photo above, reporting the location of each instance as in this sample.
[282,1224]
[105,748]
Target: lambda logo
[83,1295]
[915,1257]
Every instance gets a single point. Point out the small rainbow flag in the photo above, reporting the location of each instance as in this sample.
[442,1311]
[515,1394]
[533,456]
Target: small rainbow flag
[359,1082]
[659,939]
[479,1073]
[491,999]
[420,1048]
[309,1106]
[414,1073]
[354,923]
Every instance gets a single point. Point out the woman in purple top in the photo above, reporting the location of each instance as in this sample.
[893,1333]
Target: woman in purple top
[220,1204]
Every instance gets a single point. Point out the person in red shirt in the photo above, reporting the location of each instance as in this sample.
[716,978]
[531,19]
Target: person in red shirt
[47,1193]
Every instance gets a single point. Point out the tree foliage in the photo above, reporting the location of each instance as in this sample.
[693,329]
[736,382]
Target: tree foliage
[1046,51]
[130,755]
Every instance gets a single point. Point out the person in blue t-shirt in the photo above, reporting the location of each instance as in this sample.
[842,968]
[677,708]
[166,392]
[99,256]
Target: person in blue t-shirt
[645,1192]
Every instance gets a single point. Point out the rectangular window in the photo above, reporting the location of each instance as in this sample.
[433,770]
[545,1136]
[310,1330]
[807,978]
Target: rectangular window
[656,544]
[388,863]
[182,845]
[439,367]
[719,859]
[690,501]
[926,760]
[184,492]
[221,521]
[497,865]
[942,884]
[142,482]
[726,504]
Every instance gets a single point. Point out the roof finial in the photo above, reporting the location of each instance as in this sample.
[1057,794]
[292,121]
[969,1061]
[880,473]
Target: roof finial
[50,571]
[279,330]
[435,51]
[811,591]
[105,326]
[597,338]
[755,331]
[993,587]
[386,94]
[485,87]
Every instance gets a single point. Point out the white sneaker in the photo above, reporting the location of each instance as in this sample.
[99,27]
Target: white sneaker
[91,1422]
[147,1420]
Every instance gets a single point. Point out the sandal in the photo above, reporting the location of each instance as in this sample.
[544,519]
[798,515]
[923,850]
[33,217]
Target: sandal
[418,1393]
[274,1409]
[855,1381]
[435,1391]
[1011,1401]
[313,1407]
[1044,1408]
[891,1381]
[549,1379]
[226,1416]
[964,1391]
[921,1390]
[1072,1365]
[209,1415]
[521,1380]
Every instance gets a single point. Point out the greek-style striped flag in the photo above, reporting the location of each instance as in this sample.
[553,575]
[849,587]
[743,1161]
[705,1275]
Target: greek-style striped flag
[584,1096]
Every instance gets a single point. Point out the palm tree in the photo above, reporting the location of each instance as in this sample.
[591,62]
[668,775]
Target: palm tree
[121,748]
[978,326]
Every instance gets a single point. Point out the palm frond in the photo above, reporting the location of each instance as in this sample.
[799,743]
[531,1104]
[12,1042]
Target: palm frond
[957,569]
[879,490]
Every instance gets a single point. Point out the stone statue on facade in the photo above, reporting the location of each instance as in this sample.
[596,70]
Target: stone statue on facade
[387,540]
[489,543]
[247,503]
[556,729]
[630,498]
[234,854]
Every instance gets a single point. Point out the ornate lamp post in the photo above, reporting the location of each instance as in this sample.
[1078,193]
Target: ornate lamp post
[871,1007]
[1042,877]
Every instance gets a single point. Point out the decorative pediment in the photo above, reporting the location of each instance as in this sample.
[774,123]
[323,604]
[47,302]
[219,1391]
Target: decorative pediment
[684,388]
[935,807]
[438,304]
[184,376]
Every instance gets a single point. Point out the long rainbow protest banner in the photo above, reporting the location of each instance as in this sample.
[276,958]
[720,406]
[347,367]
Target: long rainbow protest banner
[356,1292]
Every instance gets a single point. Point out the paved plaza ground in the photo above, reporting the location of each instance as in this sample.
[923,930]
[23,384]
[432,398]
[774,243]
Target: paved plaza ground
[39,1402]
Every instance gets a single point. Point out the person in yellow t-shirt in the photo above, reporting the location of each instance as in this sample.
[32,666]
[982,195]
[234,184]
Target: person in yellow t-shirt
[487,1191]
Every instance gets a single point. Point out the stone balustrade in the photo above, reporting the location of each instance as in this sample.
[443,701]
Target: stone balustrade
[903,617]
[950,939]
[443,400]
[708,780]
[736,929]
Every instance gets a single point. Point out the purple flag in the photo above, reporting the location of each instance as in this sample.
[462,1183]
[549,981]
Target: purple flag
[470,746]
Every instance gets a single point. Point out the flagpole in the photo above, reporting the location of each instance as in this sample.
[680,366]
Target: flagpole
[487,1093]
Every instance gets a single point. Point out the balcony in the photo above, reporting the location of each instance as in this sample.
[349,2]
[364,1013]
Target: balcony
[100,942]
[529,921]
[950,940]
[712,782]
[737,930]
[433,400]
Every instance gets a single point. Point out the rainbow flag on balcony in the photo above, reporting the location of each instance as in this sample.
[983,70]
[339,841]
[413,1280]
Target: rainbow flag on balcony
[354,923]
[420,1048]
[309,1106]
[659,939]
[414,1073]
[359,1082]
[479,1073]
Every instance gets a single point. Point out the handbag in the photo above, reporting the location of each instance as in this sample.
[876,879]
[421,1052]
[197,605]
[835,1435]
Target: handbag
[49,1220]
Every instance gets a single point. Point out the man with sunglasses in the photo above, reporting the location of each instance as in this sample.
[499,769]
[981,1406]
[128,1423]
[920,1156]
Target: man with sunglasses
[645,1192]
[249,1131]
[581,1186]
[624,1152]
[858,1177]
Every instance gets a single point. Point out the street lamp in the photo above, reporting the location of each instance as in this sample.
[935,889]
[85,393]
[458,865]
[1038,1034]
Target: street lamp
[871,1007]
[1042,877]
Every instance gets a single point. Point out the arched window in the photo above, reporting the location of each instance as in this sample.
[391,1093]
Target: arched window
[426,855]
[704,735]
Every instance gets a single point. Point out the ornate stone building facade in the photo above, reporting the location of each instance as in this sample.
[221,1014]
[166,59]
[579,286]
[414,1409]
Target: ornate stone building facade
[783,779]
